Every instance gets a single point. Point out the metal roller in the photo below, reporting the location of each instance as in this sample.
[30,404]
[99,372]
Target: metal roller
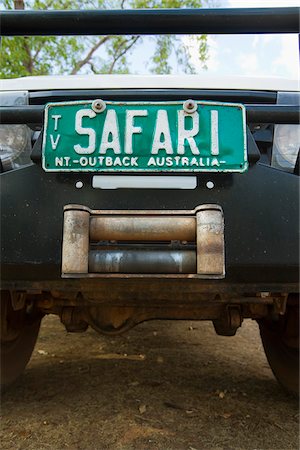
[128,228]
[75,241]
[142,261]
[210,242]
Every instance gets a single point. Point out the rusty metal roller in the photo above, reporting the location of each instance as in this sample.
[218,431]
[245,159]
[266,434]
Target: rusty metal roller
[149,228]
[142,261]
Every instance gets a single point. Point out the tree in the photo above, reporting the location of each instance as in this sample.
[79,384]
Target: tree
[23,56]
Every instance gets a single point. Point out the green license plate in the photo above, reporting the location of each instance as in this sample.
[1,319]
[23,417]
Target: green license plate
[183,136]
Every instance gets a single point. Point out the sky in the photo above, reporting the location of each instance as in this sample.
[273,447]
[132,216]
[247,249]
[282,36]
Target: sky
[268,55]
[265,55]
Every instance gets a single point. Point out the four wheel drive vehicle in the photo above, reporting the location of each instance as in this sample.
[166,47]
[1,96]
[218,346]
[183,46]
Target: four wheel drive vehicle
[128,198]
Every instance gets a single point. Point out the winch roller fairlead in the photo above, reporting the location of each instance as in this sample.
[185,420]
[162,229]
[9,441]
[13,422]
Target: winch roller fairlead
[99,242]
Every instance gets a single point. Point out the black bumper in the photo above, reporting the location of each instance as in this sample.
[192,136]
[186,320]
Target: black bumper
[261,211]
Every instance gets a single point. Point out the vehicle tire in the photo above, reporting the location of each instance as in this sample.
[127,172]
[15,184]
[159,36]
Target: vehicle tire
[19,332]
[280,340]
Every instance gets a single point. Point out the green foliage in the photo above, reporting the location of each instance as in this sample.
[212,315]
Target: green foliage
[23,56]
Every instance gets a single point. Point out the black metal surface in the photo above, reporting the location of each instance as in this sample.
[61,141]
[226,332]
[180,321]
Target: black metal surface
[261,211]
[221,95]
[21,114]
[252,149]
[255,114]
[296,170]
[36,153]
[150,21]
[273,114]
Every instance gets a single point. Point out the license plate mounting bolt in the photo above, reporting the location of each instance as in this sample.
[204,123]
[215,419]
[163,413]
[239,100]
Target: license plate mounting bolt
[98,105]
[190,106]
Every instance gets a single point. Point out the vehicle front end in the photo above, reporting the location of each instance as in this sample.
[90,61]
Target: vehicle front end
[129,198]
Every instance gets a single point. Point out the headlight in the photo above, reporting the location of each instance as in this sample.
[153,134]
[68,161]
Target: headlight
[15,146]
[286,137]
[15,140]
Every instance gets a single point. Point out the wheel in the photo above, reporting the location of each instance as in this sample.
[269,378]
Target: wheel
[19,332]
[280,340]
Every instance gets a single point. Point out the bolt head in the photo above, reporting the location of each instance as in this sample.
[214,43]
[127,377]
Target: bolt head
[98,105]
[190,106]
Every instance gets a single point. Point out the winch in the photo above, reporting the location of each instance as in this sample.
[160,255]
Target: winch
[98,242]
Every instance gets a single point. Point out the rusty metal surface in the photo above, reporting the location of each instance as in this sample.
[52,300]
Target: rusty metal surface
[165,299]
[210,242]
[125,227]
[231,319]
[18,300]
[116,310]
[116,319]
[142,261]
[75,242]
[142,283]
[73,319]
[82,226]
[77,311]
[132,212]
[227,309]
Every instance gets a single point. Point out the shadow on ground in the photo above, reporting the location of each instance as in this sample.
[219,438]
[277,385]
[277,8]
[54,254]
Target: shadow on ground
[164,385]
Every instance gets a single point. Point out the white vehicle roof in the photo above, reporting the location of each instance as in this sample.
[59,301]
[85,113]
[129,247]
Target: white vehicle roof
[147,82]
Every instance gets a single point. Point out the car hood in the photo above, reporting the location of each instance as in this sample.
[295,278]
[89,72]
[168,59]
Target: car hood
[38,83]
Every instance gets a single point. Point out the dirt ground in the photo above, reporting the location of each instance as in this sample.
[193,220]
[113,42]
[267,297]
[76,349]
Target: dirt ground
[163,385]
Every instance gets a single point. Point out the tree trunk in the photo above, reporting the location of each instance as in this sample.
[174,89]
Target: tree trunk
[19,4]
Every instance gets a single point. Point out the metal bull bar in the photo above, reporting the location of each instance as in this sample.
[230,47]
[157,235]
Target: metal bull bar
[150,21]
[135,242]
[147,22]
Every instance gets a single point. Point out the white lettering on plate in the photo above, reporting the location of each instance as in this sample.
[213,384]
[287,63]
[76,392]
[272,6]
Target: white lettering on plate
[59,162]
[214,127]
[183,161]
[54,142]
[131,129]
[106,161]
[56,118]
[81,113]
[134,161]
[118,161]
[162,134]
[110,135]
[126,161]
[84,161]
[160,152]
[187,135]
[62,161]
[215,162]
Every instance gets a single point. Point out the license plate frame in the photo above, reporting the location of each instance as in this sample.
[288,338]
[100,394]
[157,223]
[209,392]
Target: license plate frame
[57,151]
